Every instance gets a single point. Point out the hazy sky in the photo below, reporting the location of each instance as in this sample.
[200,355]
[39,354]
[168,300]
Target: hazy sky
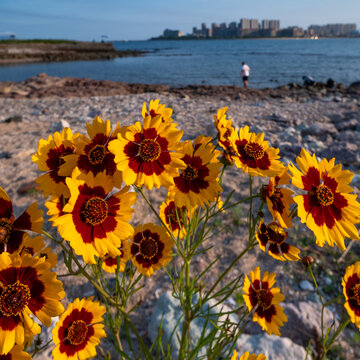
[142,19]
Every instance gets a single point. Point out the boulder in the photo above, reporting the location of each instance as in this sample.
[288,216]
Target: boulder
[169,311]
[273,347]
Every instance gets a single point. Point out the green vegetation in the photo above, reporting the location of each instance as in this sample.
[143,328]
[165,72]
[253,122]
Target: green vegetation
[38,41]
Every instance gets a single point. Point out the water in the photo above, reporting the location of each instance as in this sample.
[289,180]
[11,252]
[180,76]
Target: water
[213,62]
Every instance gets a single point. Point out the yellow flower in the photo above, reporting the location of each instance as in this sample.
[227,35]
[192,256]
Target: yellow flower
[247,356]
[93,222]
[92,153]
[147,154]
[11,229]
[198,182]
[278,199]
[156,109]
[36,247]
[224,128]
[79,330]
[261,296]
[175,218]
[110,263]
[272,239]
[253,154]
[50,157]
[150,248]
[16,353]
[37,292]
[351,290]
[328,208]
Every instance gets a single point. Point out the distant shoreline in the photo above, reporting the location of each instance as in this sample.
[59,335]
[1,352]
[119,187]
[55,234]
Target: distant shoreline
[249,38]
[34,51]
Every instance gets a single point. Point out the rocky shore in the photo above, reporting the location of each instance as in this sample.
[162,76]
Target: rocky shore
[27,52]
[323,120]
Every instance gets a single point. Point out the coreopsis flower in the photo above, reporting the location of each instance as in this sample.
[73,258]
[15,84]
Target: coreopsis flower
[11,229]
[224,128]
[37,247]
[279,199]
[93,222]
[110,263]
[156,109]
[149,248]
[27,287]
[79,330]
[328,208]
[247,356]
[92,153]
[261,297]
[55,206]
[272,239]
[351,290]
[175,218]
[16,353]
[50,157]
[198,182]
[147,154]
[253,154]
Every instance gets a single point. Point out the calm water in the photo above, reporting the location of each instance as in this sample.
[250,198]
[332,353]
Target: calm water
[215,62]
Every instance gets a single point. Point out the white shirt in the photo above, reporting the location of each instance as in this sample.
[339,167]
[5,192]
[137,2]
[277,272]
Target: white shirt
[245,70]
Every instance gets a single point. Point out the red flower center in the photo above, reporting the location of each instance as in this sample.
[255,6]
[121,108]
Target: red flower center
[324,195]
[77,332]
[95,211]
[356,290]
[254,150]
[148,247]
[189,173]
[6,227]
[97,154]
[66,152]
[14,298]
[149,150]
[276,234]
[264,298]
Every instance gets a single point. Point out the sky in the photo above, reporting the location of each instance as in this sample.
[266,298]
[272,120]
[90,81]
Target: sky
[143,19]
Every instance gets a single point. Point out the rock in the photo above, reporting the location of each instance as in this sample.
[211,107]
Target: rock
[344,152]
[355,84]
[58,126]
[347,125]
[168,310]
[94,112]
[306,285]
[303,319]
[273,347]
[15,119]
[5,155]
[319,129]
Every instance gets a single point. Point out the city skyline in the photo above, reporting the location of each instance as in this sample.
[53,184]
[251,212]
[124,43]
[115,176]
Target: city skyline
[140,20]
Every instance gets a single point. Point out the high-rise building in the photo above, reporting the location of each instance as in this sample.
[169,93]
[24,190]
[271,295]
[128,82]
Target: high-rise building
[274,24]
[265,25]
[245,24]
[254,24]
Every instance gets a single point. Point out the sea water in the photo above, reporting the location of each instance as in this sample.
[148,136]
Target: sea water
[273,62]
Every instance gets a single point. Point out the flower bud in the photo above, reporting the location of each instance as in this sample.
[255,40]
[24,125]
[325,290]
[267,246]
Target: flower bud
[307,260]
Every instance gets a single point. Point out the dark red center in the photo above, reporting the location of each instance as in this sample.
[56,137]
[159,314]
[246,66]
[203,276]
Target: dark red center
[77,332]
[149,150]
[275,235]
[148,247]
[264,298]
[324,195]
[14,298]
[95,211]
[189,173]
[97,154]
[254,150]
[6,227]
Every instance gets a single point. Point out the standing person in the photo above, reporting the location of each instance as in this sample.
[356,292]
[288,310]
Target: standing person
[245,73]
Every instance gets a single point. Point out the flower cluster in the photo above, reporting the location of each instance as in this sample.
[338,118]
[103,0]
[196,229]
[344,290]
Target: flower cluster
[91,183]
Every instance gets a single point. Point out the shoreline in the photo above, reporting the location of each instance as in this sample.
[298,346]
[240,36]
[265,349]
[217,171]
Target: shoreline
[43,86]
[35,52]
